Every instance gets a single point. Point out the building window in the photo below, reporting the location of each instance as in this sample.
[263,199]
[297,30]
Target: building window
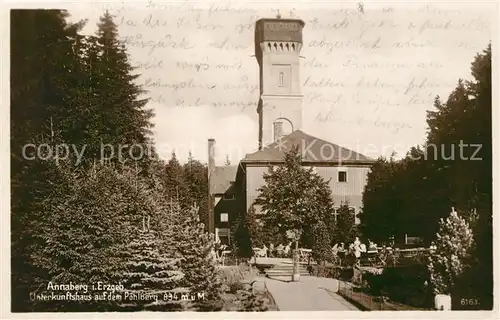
[281,80]
[352,211]
[336,213]
[342,176]
[224,217]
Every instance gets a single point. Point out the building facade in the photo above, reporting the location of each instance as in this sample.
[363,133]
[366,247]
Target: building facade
[234,189]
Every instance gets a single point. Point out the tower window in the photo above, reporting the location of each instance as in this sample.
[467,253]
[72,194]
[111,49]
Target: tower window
[278,130]
[281,82]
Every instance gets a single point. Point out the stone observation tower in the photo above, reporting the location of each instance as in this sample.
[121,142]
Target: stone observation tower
[234,189]
[277,48]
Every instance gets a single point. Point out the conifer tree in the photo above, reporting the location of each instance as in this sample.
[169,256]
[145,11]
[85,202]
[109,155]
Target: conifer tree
[194,247]
[244,234]
[175,181]
[195,174]
[152,280]
[42,68]
[79,235]
[345,227]
[379,215]
[321,243]
[123,116]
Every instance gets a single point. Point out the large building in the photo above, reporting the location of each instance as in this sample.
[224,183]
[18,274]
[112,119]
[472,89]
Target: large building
[233,189]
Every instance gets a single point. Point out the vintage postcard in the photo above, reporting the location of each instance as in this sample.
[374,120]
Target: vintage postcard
[250,156]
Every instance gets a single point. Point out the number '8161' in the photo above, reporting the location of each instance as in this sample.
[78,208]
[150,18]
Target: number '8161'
[469,302]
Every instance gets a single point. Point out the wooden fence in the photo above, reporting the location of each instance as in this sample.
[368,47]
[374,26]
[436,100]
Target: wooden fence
[366,302]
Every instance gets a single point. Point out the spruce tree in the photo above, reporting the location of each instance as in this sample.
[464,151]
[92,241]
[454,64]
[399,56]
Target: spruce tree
[85,222]
[175,181]
[123,116]
[194,247]
[195,174]
[42,68]
[151,280]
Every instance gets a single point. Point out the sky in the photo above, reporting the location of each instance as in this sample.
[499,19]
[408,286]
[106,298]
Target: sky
[368,74]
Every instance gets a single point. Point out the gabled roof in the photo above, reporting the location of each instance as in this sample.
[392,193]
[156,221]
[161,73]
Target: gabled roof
[221,179]
[313,150]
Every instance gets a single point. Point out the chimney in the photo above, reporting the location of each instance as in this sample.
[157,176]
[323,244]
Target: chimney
[211,154]
[210,170]
[278,130]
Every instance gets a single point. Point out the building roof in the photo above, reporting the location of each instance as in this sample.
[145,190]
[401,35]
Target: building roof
[221,179]
[313,150]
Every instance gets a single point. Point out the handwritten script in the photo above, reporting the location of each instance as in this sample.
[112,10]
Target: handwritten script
[379,69]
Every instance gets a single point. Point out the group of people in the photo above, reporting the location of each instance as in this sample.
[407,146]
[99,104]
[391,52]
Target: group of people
[274,252]
[356,247]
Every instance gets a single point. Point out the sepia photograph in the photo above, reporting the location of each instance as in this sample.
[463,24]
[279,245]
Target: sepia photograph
[251,156]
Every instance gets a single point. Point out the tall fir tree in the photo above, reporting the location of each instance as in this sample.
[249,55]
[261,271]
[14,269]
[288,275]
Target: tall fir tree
[196,178]
[125,118]
[151,280]
[42,73]
[195,248]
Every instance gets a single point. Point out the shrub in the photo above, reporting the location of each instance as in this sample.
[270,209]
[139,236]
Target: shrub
[250,301]
[234,287]
[229,275]
[449,260]
[402,284]
[333,272]
[237,282]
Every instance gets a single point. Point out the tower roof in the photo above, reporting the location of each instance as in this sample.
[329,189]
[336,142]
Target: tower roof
[283,20]
[278,29]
